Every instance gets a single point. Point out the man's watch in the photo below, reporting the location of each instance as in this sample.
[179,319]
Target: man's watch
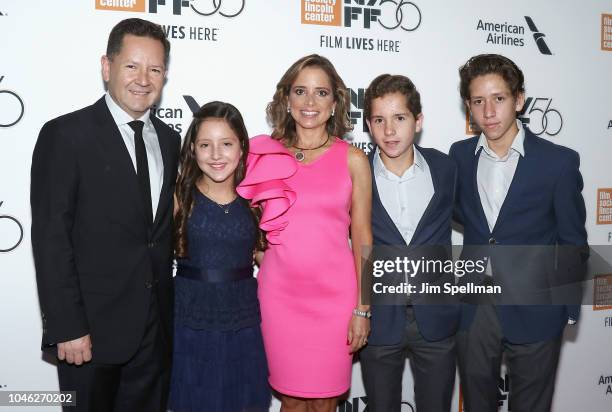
[362,313]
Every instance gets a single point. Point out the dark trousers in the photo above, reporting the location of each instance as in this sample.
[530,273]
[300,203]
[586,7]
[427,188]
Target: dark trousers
[433,367]
[141,384]
[532,367]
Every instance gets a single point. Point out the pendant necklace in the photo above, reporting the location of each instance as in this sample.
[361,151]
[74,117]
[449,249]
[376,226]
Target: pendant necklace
[226,207]
[300,156]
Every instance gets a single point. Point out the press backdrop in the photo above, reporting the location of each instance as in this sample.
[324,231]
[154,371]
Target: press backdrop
[236,51]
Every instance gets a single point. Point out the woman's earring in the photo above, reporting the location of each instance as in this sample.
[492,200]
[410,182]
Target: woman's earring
[333,112]
[288,109]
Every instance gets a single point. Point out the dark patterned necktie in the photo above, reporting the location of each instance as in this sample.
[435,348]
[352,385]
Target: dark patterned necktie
[142,169]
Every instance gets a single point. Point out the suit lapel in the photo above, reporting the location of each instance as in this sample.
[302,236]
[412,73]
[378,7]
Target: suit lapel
[117,155]
[164,146]
[435,177]
[481,215]
[377,204]
[521,177]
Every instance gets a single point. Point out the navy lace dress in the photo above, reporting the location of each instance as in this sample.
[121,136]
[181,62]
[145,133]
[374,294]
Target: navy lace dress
[219,363]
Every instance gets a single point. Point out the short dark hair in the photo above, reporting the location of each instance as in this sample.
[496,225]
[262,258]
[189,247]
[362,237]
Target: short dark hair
[136,27]
[387,83]
[491,64]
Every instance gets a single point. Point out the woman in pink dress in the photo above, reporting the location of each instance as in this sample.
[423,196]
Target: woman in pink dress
[315,193]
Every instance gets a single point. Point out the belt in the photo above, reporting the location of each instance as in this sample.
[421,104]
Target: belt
[215,275]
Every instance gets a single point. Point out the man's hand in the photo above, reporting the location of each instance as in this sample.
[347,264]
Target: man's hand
[75,351]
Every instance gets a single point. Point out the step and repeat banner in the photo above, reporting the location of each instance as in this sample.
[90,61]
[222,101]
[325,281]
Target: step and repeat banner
[237,50]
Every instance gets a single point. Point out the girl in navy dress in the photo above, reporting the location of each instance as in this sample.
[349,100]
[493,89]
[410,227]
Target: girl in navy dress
[219,363]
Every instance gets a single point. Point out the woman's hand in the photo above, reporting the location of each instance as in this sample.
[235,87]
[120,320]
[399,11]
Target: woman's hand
[258,257]
[358,331]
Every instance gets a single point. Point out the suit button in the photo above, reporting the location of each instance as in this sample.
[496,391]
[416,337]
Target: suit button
[151,245]
[492,241]
[148,284]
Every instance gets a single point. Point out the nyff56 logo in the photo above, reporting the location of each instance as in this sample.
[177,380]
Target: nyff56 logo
[389,14]
[225,8]
[503,387]
[537,113]
[356,110]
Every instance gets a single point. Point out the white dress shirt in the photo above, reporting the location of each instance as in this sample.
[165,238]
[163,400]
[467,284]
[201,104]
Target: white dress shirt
[154,156]
[495,174]
[405,197]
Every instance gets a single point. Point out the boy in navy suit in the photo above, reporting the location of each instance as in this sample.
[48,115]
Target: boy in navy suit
[412,202]
[515,192]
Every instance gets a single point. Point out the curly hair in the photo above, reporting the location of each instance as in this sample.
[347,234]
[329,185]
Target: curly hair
[387,83]
[483,64]
[190,172]
[282,122]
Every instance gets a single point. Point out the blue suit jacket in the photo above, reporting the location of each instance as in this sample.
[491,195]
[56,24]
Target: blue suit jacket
[435,321]
[544,206]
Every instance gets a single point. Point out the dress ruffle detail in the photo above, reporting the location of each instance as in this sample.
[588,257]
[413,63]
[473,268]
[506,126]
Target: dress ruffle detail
[269,164]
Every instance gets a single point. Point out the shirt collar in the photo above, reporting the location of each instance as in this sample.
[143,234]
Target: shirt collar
[518,144]
[381,170]
[120,116]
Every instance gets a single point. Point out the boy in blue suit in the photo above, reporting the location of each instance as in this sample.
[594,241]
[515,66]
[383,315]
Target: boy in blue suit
[413,189]
[515,191]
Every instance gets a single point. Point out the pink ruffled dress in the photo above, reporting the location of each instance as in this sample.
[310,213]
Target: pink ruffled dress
[307,280]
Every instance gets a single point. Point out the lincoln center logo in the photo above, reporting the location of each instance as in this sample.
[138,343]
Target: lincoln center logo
[604,206]
[471,128]
[606,32]
[121,5]
[389,14]
[602,292]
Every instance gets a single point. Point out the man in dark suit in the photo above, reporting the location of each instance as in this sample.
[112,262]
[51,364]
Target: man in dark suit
[520,203]
[101,194]
[413,192]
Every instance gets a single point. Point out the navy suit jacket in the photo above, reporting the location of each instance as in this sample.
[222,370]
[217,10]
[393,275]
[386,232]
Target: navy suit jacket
[433,233]
[543,207]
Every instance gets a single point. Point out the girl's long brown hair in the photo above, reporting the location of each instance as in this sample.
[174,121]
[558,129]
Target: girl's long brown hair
[190,172]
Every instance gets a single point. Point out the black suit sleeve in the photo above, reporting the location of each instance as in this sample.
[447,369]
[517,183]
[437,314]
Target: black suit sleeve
[53,197]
